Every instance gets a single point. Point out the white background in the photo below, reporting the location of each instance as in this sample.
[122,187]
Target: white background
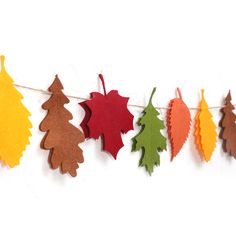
[136,45]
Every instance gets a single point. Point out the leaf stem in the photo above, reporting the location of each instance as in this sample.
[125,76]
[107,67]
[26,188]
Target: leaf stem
[153,91]
[179,93]
[103,83]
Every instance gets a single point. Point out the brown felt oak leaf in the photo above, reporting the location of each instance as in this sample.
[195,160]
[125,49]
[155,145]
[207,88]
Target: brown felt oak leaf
[62,138]
[228,127]
[178,124]
[107,116]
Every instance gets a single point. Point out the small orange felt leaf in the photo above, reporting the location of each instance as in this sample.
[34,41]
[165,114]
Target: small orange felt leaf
[178,124]
[205,131]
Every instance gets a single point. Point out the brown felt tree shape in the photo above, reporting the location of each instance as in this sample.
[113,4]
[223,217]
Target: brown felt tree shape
[62,138]
[228,127]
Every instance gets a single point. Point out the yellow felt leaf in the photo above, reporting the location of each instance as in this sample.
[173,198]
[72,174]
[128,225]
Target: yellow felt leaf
[205,131]
[14,122]
[197,133]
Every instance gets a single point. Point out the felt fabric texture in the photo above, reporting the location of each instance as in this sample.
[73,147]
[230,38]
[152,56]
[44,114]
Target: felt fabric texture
[228,127]
[62,138]
[178,124]
[14,121]
[150,139]
[107,116]
[205,131]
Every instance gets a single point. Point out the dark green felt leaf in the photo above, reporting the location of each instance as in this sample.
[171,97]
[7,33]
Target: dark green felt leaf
[149,139]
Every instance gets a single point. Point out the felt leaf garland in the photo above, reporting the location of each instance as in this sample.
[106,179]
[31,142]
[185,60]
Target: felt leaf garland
[228,127]
[178,124]
[205,131]
[62,138]
[14,121]
[150,139]
[107,116]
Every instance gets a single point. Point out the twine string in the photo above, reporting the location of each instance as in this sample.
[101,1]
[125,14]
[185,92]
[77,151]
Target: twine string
[130,105]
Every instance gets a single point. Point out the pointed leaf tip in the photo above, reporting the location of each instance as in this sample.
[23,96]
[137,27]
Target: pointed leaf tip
[2,61]
[203,94]
[56,85]
[228,97]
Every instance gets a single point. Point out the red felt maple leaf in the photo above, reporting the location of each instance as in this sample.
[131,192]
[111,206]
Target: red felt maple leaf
[107,116]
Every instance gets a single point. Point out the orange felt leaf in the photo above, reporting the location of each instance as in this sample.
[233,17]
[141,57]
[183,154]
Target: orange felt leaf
[205,131]
[178,124]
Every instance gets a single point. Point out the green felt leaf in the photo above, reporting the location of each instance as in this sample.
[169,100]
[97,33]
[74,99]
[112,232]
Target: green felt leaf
[149,139]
